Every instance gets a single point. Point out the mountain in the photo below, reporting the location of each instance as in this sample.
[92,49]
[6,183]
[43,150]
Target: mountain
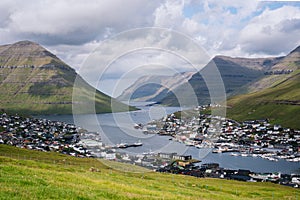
[237,74]
[289,62]
[35,81]
[153,88]
[278,97]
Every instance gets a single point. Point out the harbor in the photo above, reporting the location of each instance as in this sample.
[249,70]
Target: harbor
[112,133]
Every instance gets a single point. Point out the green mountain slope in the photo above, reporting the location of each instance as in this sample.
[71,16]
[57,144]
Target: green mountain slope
[279,100]
[35,81]
[26,174]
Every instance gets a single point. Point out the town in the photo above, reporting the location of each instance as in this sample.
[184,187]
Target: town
[257,138]
[41,134]
[46,135]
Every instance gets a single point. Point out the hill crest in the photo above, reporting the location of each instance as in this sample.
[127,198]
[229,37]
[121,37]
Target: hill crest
[25,54]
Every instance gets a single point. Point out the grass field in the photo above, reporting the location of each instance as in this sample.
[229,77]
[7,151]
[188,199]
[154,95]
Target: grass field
[28,174]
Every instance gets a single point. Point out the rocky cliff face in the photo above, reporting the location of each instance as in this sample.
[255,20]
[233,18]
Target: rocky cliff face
[253,63]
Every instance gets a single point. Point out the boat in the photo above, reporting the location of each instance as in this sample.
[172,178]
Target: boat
[126,145]
[138,126]
[136,144]
[271,159]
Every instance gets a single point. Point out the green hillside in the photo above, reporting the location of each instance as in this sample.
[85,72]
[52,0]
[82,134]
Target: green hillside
[26,174]
[278,98]
[280,103]
[34,81]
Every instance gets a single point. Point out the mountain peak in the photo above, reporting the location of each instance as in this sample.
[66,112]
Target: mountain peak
[25,43]
[25,53]
[26,46]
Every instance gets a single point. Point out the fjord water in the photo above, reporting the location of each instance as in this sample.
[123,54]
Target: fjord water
[115,128]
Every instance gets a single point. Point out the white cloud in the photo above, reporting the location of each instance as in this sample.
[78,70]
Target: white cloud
[169,14]
[75,22]
[214,23]
[272,32]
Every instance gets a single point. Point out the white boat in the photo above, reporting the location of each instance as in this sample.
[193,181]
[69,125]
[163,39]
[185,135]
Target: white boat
[137,144]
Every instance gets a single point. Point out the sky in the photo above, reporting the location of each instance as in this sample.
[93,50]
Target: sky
[109,40]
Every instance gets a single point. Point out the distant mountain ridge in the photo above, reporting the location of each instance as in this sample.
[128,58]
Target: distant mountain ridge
[35,81]
[236,73]
[253,63]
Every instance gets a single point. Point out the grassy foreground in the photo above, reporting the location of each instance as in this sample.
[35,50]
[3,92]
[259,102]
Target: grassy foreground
[28,174]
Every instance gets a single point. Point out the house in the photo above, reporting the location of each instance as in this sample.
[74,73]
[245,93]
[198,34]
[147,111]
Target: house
[182,157]
[166,155]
